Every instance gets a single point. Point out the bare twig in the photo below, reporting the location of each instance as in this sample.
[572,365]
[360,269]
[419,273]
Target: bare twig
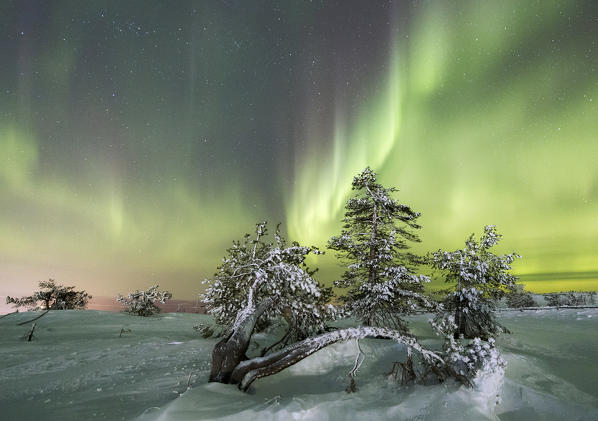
[408,375]
[268,348]
[34,319]
[123,330]
[189,379]
[273,400]
[358,360]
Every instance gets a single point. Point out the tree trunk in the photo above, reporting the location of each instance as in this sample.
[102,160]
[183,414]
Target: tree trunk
[372,271]
[459,316]
[246,372]
[230,351]
[459,322]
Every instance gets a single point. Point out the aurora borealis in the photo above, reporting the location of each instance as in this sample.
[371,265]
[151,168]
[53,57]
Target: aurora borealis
[138,138]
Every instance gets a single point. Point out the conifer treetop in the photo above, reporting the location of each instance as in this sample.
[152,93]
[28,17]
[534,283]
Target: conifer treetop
[477,266]
[374,243]
[255,270]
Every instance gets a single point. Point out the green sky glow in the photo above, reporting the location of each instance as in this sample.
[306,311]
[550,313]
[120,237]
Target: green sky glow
[474,133]
[137,140]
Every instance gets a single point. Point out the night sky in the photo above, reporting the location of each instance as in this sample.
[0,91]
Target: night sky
[139,138]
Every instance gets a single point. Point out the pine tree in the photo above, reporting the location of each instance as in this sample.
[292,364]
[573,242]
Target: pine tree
[143,303]
[479,278]
[374,242]
[258,280]
[258,270]
[53,297]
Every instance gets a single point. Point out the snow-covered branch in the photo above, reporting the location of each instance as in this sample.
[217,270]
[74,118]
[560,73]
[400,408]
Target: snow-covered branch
[250,370]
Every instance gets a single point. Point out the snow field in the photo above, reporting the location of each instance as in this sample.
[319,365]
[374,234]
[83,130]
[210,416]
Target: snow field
[77,367]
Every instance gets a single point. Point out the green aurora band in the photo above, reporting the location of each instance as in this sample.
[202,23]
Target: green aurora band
[474,135]
[480,112]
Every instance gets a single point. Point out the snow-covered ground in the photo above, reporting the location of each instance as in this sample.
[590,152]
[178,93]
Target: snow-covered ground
[78,368]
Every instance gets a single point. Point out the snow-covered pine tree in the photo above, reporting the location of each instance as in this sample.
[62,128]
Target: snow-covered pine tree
[259,270]
[479,278]
[53,296]
[374,243]
[270,279]
[143,303]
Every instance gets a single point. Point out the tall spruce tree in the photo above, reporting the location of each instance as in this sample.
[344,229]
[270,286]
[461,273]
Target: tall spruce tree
[374,242]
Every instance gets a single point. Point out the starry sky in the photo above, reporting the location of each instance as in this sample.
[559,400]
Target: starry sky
[139,138]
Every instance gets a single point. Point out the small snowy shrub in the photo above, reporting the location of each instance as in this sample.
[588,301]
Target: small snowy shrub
[53,297]
[463,359]
[204,330]
[143,303]
[467,360]
[519,298]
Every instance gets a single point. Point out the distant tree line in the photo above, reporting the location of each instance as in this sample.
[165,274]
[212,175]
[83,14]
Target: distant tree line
[570,298]
[519,298]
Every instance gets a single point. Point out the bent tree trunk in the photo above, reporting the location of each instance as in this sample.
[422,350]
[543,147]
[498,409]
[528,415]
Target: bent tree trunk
[230,365]
[231,349]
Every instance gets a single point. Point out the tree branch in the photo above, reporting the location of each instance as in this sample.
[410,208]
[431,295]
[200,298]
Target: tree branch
[250,370]
[34,319]
[8,314]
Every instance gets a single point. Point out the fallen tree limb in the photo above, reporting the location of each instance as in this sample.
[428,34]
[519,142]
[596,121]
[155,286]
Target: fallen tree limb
[246,372]
[8,314]
[34,319]
[30,335]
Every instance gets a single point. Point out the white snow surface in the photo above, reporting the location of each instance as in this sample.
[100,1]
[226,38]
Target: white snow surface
[78,368]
